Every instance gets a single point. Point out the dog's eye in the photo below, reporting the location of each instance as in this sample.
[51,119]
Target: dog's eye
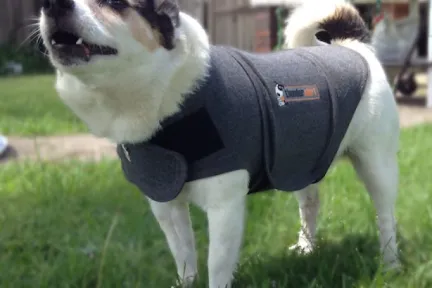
[118,5]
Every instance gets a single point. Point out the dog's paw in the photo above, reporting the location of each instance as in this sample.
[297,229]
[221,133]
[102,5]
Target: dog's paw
[303,247]
[186,283]
[390,260]
[392,266]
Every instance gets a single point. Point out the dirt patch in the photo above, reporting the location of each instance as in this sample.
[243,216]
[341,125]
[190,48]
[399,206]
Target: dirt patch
[89,148]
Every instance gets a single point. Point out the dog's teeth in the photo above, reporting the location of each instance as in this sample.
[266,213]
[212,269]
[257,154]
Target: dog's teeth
[53,42]
[79,41]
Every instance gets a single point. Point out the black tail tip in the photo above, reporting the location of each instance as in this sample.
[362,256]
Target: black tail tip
[346,23]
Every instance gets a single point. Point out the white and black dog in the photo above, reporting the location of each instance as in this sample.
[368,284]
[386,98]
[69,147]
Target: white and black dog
[125,66]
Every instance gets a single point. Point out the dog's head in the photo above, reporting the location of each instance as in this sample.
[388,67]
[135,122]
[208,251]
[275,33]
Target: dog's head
[106,33]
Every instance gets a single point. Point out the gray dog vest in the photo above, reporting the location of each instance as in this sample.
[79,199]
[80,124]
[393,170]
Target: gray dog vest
[280,116]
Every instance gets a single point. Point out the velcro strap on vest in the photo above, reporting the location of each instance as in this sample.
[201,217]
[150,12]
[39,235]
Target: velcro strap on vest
[159,173]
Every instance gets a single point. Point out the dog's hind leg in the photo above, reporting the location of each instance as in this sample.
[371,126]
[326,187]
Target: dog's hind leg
[373,153]
[174,219]
[308,200]
[379,172]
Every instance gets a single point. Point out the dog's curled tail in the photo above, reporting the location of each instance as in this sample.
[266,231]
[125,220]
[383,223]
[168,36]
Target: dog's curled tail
[340,20]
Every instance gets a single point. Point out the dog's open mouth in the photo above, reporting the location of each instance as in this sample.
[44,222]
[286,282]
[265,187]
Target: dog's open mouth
[67,44]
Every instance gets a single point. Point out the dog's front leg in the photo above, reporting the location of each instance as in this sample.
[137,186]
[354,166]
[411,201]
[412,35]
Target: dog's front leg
[174,219]
[226,221]
[308,200]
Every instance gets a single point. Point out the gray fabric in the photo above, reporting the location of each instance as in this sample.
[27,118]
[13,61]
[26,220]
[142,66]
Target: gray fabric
[284,145]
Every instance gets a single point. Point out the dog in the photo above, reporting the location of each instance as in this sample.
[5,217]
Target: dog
[124,68]
[279,89]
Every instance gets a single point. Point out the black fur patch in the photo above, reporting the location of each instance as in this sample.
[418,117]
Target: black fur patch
[163,15]
[346,23]
[117,5]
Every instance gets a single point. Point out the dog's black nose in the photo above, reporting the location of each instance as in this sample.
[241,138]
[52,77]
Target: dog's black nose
[57,8]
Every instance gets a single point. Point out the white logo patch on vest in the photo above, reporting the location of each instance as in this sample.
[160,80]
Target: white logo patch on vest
[287,94]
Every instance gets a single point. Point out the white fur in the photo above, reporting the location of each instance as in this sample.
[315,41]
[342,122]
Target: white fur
[125,98]
[154,82]
[303,22]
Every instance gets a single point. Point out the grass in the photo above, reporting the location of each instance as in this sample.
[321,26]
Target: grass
[82,225]
[30,106]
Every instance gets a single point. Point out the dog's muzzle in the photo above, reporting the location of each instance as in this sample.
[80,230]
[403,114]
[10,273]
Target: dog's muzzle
[57,8]
[65,41]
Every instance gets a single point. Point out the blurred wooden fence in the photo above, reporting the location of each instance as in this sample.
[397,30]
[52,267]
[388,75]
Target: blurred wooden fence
[15,18]
[17,15]
[230,22]
[246,24]
[197,8]
[241,24]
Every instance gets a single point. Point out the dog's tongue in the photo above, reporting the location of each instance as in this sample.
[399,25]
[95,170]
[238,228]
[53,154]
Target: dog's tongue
[86,50]
[81,51]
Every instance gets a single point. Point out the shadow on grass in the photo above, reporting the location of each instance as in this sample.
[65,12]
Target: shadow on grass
[352,261]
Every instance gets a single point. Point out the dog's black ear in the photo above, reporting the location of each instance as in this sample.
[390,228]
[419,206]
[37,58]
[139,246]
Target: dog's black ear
[163,15]
[169,19]
[170,9]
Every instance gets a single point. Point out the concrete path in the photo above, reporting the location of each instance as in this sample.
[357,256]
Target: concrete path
[55,148]
[89,148]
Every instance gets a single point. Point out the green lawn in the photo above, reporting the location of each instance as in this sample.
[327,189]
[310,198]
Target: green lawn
[30,106]
[55,221]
